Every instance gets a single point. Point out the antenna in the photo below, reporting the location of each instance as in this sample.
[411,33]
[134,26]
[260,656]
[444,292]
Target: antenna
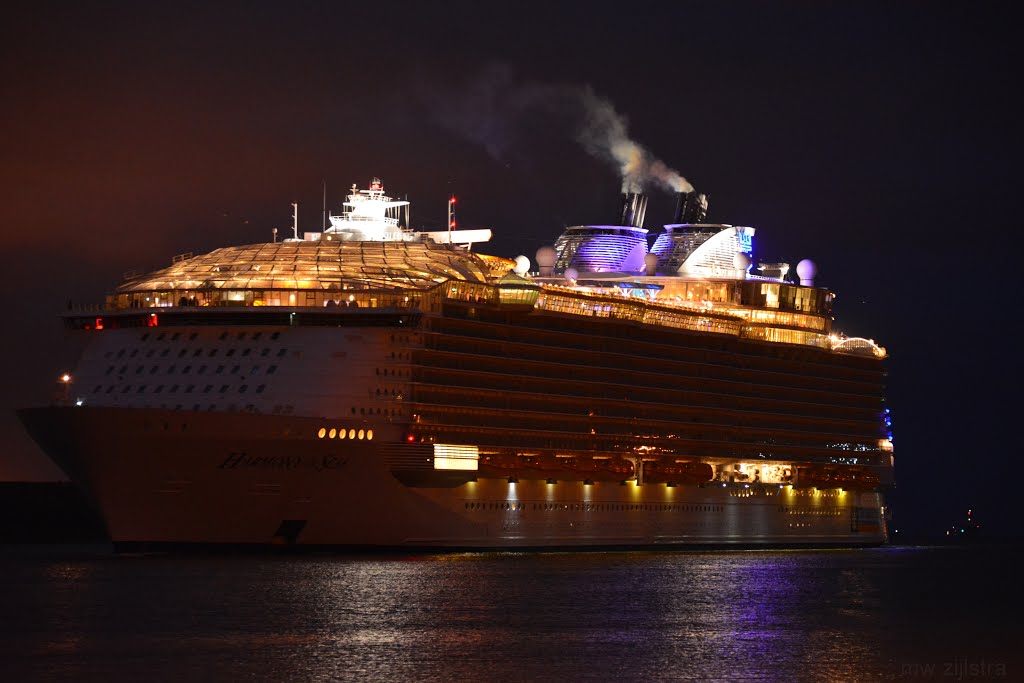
[273,231]
[325,206]
[295,219]
[451,213]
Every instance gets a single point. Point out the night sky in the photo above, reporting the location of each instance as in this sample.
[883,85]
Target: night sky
[874,138]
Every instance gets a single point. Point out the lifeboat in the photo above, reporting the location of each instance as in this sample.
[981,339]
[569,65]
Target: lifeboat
[605,469]
[852,478]
[677,472]
[497,465]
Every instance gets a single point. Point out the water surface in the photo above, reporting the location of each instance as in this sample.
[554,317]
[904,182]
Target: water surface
[874,614]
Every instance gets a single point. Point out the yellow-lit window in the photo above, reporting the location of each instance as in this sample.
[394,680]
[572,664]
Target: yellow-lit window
[361,434]
[453,457]
[369,435]
[341,433]
[333,433]
[321,433]
[351,433]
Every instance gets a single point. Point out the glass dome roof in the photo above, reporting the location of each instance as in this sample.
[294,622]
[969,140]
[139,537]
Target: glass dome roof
[323,265]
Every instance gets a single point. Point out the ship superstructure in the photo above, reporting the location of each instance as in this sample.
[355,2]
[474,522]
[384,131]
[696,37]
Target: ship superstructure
[374,386]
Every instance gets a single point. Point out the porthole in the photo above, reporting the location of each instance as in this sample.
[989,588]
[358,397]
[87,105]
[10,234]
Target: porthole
[341,433]
[321,433]
[333,433]
[369,435]
[351,433]
[361,434]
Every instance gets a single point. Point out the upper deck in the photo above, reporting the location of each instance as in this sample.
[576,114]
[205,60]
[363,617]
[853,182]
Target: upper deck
[369,260]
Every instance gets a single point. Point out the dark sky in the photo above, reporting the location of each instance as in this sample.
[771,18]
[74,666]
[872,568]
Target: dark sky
[875,138]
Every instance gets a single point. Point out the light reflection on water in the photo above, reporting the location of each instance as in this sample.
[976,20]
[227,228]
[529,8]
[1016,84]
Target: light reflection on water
[767,615]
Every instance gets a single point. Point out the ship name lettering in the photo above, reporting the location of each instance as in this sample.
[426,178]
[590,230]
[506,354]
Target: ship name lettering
[331,462]
[238,459]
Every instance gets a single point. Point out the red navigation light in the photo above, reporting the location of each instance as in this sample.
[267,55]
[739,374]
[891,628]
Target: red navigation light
[152,320]
[410,438]
[452,200]
[99,324]
[453,224]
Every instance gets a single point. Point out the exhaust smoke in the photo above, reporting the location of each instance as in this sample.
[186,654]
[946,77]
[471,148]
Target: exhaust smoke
[499,114]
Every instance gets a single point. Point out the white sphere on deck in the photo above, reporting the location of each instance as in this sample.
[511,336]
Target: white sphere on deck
[546,257]
[806,270]
[522,266]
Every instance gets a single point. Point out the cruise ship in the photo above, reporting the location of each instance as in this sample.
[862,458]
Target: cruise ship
[373,386]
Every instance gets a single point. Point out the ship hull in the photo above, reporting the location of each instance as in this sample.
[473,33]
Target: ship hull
[180,478]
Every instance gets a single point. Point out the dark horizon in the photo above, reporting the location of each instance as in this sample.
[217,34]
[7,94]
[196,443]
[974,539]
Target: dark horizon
[877,140]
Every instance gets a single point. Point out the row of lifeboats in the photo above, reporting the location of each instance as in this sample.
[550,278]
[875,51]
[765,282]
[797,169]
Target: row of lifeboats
[853,478]
[582,468]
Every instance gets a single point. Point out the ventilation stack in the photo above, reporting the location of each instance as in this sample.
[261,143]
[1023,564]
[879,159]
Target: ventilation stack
[691,208]
[634,206]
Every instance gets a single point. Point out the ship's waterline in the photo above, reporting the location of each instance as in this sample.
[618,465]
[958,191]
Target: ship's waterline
[185,477]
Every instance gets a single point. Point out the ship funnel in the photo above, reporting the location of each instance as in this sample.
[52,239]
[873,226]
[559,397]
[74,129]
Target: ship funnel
[690,208]
[634,206]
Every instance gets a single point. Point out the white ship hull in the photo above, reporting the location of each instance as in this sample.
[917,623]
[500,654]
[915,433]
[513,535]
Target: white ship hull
[186,477]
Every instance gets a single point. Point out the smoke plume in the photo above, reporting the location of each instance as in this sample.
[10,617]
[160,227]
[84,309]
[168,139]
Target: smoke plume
[604,134]
[498,113]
